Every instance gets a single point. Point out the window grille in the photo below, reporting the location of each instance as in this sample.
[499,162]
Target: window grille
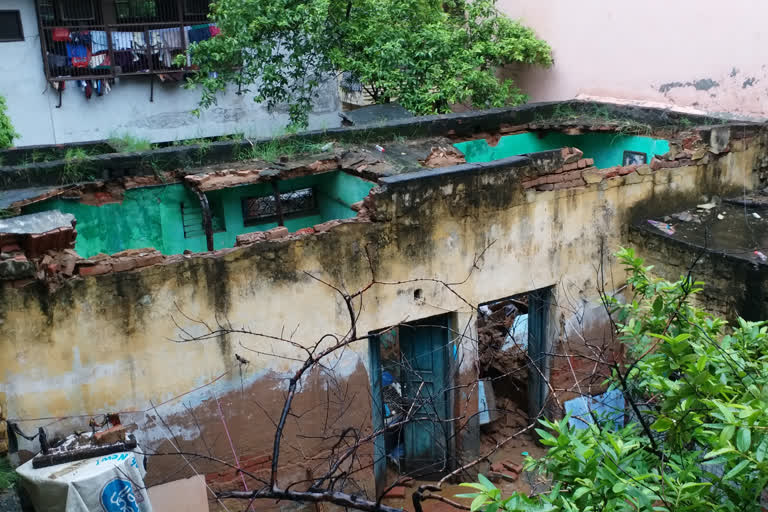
[263,209]
[192,219]
[97,39]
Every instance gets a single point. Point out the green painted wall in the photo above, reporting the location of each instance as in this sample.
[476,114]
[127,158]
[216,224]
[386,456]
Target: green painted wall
[151,216]
[606,148]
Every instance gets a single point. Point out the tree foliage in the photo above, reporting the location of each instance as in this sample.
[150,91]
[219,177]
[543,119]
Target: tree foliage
[425,54]
[700,440]
[7,133]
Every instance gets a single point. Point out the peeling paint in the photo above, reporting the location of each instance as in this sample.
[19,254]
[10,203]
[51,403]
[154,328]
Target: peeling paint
[703,84]
[665,88]
[749,82]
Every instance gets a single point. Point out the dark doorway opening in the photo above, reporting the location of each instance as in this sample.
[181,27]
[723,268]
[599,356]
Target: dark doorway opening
[513,353]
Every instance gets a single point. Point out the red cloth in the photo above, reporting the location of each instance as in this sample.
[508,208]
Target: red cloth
[60,34]
[215,30]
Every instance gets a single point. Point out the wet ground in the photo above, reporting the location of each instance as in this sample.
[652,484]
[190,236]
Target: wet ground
[737,227]
[510,452]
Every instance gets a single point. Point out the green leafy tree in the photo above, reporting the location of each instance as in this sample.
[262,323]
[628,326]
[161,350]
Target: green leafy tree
[425,54]
[7,133]
[697,393]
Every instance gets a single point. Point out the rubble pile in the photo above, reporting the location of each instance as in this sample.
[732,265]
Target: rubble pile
[505,365]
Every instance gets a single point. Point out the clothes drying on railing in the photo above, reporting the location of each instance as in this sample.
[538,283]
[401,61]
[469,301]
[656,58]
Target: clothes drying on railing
[133,51]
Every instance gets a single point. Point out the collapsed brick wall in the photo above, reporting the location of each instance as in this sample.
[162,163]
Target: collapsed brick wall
[50,257]
[570,174]
[27,257]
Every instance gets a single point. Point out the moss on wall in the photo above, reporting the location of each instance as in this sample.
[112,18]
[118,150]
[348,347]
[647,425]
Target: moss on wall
[606,148]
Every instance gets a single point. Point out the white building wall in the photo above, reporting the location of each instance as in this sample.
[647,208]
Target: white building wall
[127,109]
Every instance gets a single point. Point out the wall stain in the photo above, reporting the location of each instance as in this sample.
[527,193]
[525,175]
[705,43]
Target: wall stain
[703,84]
[749,82]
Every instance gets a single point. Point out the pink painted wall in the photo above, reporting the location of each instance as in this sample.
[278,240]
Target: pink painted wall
[707,54]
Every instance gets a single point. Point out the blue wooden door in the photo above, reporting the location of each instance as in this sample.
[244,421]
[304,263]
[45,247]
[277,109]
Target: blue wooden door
[424,376]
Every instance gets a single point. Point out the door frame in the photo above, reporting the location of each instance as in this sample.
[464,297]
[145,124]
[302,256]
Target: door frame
[377,404]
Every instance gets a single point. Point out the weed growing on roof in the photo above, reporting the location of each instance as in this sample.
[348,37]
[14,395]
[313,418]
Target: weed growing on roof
[595,114]
[273,149]
[76,166]
[128,143]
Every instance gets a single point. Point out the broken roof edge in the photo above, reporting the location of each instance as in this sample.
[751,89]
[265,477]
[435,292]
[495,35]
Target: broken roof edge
[36,223]
[466,124]
[469,168]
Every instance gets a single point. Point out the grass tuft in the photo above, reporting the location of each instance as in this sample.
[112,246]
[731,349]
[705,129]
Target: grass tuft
[128,143]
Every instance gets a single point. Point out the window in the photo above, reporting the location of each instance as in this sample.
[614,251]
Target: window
[77,10]
[10,26]
[264,208]
[127,9]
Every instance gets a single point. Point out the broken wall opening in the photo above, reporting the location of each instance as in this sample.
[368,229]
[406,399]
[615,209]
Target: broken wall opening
[502,332]
[606,148]
[514,358]
[169,218]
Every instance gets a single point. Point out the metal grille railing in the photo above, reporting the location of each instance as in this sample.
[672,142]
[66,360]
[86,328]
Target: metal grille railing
[94,39]
[192,220]
[265,208]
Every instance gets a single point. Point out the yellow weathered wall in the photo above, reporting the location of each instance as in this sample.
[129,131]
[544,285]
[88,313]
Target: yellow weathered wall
[105,343]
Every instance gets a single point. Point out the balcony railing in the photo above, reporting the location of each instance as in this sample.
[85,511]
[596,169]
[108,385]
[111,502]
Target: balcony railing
[91,49]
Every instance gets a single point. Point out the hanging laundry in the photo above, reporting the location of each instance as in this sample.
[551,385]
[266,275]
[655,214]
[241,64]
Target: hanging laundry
[58,61]
[82,38]
[171,37]
[139,41]
[155,40]
[170,44]
[79,55]
[199,33]
[124,59]
[99,41]
[122,40]
[60,34]
[100,60]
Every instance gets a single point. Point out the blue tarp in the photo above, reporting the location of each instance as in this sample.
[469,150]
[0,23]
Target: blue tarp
[608,407]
